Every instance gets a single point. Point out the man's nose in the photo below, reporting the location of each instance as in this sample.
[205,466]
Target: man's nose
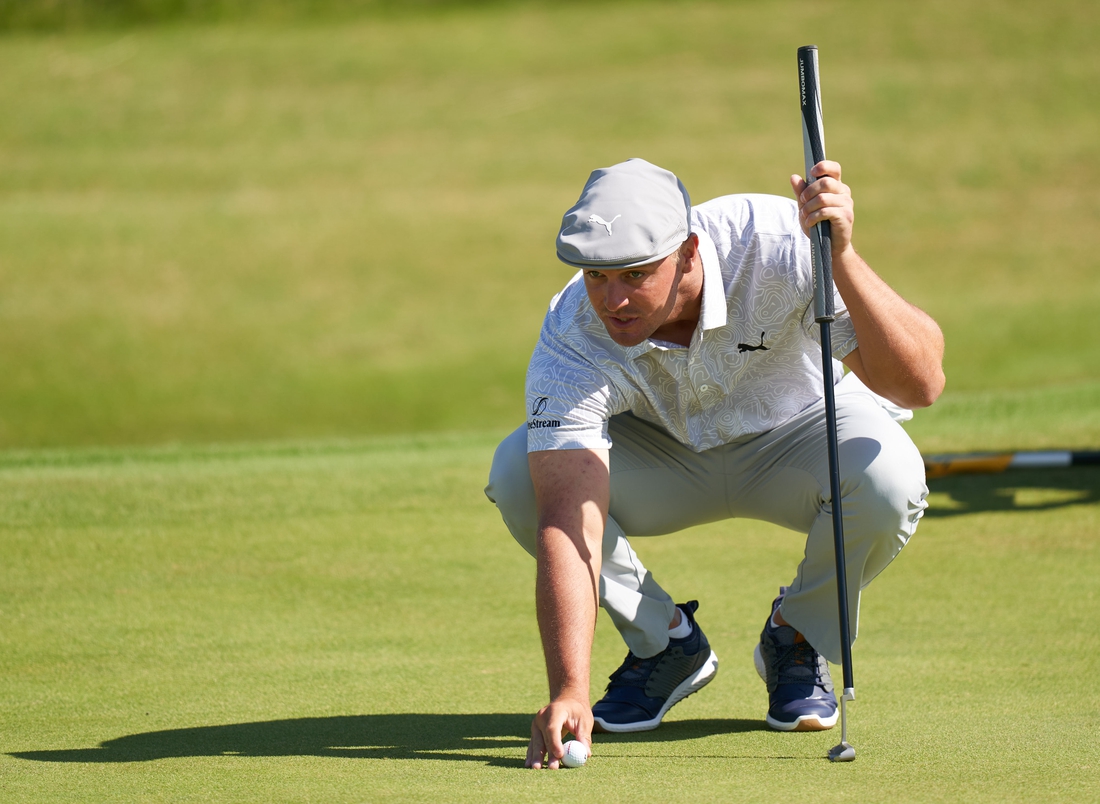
[615,296]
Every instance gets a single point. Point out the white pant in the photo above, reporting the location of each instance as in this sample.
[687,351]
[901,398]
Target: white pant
[659,486]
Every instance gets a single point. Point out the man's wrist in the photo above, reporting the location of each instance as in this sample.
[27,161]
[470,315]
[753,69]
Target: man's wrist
[571,692]
[847,261]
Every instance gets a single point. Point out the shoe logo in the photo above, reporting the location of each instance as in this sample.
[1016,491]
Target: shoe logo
[748,347]
[603,223]
[537,409]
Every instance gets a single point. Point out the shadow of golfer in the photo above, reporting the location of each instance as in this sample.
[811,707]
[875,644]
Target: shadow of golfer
[478,738]
[677,730]
[394,736]
[1015,490]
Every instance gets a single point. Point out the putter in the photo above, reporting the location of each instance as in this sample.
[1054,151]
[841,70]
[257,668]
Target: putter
[813,143]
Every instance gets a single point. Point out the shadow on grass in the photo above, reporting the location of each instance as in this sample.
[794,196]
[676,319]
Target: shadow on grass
[675,730]
[394,736]
[1015,490]
[617,746]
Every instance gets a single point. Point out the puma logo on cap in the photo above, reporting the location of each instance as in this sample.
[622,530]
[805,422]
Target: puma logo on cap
[605,224]
[651,220]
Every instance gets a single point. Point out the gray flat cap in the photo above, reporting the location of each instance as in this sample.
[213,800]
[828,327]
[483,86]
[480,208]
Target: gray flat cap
[628,215]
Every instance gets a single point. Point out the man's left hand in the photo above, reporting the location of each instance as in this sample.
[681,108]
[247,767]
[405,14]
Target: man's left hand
[826,198]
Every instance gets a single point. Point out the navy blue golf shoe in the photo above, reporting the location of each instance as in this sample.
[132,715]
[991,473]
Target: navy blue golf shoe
[642,691]
[800,689]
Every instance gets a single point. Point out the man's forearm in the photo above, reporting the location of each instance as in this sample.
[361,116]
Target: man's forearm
[566,598]
[572,488]
[900,353]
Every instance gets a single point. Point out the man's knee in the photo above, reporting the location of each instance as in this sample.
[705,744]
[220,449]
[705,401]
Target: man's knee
[883,488]
[511,489]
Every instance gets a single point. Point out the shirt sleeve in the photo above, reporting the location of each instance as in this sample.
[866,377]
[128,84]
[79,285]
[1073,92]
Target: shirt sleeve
[569,400]
[842,332]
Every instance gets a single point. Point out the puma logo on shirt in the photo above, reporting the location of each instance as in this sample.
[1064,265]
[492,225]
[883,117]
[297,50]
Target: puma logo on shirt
[747,347]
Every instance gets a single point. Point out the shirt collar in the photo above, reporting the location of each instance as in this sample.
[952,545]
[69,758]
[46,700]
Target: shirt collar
[713,314]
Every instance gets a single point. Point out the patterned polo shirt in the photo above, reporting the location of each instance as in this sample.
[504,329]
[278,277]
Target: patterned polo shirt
[754,360]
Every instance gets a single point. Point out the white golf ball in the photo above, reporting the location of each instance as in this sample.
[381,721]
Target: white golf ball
[576,754]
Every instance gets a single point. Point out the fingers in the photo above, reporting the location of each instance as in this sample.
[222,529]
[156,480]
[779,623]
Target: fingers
[550,726]
[824,176]
[545,748]
[554,748]
[835,207]
[825,198]
[536,749]
[580,725]
[826,167]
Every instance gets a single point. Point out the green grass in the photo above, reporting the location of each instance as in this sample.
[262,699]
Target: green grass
[250,232]
[304,241]
[350,621]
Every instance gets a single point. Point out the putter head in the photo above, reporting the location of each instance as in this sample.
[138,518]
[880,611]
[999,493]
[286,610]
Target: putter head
[842,753]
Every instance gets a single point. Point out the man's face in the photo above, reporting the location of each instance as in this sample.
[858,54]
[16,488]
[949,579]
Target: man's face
[633,303]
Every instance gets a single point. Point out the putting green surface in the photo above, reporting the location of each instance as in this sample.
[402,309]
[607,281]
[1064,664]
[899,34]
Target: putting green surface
[349,621]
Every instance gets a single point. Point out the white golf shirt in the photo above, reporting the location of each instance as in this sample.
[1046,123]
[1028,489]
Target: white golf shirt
[753,362]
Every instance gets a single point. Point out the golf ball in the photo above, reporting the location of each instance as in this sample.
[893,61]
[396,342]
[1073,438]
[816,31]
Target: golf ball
[576,754]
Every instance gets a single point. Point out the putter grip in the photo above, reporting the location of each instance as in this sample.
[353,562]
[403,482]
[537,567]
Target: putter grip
[813,147]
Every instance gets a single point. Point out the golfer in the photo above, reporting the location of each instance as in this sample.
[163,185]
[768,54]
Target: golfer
[677,380]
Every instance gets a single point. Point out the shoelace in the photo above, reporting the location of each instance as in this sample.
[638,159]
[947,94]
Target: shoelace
[633,672]
[798,664]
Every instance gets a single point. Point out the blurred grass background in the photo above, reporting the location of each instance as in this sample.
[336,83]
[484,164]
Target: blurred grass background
[337,219]
[54,15]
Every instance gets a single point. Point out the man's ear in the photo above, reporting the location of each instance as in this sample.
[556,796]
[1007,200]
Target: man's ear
[689,253]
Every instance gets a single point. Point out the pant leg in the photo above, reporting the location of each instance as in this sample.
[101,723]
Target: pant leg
[783,477]
[657,486]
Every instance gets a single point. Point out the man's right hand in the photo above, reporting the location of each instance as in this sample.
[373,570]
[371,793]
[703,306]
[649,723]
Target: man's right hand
[561,716]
